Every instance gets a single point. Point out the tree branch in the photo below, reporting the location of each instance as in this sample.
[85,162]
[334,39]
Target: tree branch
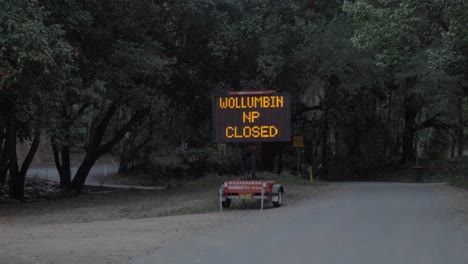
[434,123]
[32,151]
[306,109]
[139,115]
[56,156]
[139,147]
[82,109]
[101,128]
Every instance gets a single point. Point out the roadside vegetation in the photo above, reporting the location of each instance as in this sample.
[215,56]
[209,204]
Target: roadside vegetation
[460,182]
[377,87]
[103,204]
[461,179]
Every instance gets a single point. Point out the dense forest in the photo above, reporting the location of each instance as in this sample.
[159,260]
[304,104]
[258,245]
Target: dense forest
[374,84]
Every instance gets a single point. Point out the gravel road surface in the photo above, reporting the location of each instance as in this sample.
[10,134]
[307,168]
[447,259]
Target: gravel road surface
[355,223]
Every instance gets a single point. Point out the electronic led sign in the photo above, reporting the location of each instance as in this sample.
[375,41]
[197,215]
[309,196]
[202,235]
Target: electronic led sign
[252,117]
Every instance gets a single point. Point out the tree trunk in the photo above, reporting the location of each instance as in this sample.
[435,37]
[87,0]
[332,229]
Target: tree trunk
[96,149]
[62,162]
[3,162]
[460,132]
[17,177]
[125,153]
[453,143]
[123,164]
[3,167]
[82,173]
[130,151]
[3,154]
[325,130]
[409,131]
[31,153]
[387,128]
[16,184]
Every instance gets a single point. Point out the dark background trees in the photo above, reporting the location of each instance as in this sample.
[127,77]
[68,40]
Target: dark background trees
[374,84]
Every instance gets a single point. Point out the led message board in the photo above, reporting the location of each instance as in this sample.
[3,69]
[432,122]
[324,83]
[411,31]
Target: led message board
[252,118]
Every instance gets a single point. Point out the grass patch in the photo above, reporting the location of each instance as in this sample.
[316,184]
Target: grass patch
[203,207]
[200,196]
[210,179]
[134,180]
[298,181]
[411,178]
[460,182]
[423,176]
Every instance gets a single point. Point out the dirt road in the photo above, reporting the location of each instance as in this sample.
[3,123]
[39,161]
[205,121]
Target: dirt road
[116,225]
[354,223]
[342,223]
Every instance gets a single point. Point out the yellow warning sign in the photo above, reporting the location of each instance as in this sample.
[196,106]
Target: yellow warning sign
[298,141]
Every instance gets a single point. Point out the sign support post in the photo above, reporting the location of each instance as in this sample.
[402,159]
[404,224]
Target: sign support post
[298,144]
[298,165]
[254,160]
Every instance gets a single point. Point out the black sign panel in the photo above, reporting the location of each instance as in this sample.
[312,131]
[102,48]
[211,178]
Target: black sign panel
[252,118]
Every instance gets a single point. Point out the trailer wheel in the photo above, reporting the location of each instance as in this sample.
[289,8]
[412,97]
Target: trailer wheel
[280,199]
[226,203]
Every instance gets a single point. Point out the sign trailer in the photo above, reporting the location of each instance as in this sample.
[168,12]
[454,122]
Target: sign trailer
[251,117]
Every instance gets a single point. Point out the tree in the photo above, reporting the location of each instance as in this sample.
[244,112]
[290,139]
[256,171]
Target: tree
[401,33]
[122,69]
[30,51]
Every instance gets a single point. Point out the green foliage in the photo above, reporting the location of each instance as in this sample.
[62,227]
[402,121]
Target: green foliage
[33,54]
[415,42]
[435,147]
[451,50]
[396,30]
[27,39]
[136,71]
